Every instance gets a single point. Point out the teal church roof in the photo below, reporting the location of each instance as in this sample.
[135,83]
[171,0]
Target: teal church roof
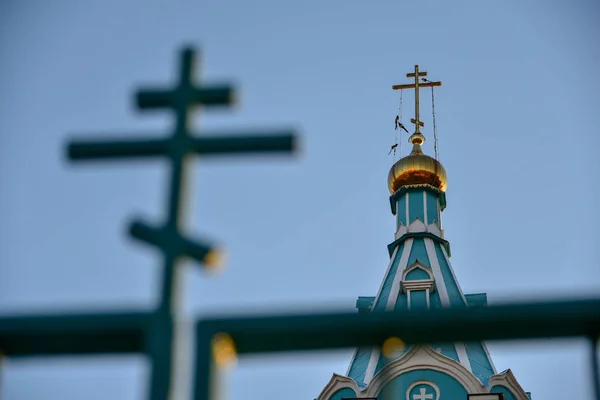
[420,276]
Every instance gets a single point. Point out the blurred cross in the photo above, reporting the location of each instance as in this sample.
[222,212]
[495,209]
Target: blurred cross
[150,332]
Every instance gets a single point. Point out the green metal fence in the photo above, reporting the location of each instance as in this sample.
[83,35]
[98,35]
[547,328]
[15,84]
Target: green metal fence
[152,332]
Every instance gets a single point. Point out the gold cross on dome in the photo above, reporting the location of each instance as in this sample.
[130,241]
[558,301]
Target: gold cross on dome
[416,86]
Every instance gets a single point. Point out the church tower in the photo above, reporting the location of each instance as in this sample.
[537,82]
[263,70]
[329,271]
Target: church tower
[420,276]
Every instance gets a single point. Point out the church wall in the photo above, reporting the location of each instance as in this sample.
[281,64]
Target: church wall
[418,252]
[401,211]
[421,204]
[416,207]
[446,349]
[359,365]
[501,389]
[480,364]
[343,393]
[425,384]
[432,208]
[454,294]
[388,282]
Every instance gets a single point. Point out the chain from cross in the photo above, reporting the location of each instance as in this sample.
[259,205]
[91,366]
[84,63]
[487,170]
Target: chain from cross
[147,332]
[417,85]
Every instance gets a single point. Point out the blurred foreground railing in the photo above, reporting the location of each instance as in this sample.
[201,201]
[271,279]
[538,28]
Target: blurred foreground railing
[219,339]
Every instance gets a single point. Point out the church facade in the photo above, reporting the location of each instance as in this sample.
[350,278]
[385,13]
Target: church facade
[420,276]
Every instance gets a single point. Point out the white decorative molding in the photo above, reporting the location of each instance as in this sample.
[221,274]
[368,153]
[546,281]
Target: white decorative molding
[423,357]
[401,231]
[421,284]
[336,383]
[416,265]
[395,289]
[437,272]
[373,360]
[418,226]
[434,229]
[351,361]
[507,379]
[487,353]
[461,351]
[464,299]
[387,271]
[392,259]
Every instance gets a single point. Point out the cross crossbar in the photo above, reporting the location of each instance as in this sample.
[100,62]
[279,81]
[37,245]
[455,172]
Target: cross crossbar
[76,334]
[277,141]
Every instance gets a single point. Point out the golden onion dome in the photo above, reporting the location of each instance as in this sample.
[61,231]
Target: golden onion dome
[417,169]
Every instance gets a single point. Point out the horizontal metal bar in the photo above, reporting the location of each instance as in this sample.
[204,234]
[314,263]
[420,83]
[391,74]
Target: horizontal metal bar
[342,330]
[412,74]
[90,150]
[284,142]
[146,233]
[412,85]
[96,150]
[116,333]
[159,98]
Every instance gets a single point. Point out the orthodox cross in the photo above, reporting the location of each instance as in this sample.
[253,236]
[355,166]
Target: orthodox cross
[146,332]
[416,86]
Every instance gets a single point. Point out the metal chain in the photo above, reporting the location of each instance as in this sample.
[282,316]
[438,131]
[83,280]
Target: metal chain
[435,140]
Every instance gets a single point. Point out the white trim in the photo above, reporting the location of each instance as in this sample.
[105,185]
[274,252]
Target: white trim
[370,371]
[437,272]
[454,276]
[385,276]
[425,207]
[418,289]
[421,284]
[402,229]
[461,350]
[439,212]
[423,357]
[417,226]
[435,230]
[351,361]
[485,349]
[508,379]
[416,265]
[398,277]
[487,353]
[336,383]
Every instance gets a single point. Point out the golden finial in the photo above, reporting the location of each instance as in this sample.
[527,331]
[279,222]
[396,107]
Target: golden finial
[416,138]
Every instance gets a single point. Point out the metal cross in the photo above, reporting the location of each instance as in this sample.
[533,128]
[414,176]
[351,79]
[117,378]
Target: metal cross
[416,86]
[148,332]
[177,148]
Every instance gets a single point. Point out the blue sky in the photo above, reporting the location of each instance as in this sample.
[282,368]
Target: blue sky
[517,126]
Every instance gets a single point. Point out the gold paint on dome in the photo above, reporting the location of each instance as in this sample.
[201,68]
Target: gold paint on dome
[417,169]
